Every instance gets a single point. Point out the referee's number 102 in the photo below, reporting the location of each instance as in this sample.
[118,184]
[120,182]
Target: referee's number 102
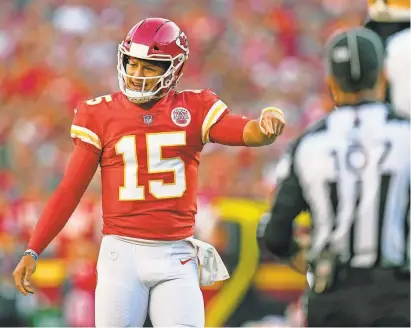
[356,158]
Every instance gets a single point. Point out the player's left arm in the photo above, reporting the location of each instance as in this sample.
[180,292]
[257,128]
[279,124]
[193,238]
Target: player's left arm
[266,129]
[221,126]
[288,203]
[237,130]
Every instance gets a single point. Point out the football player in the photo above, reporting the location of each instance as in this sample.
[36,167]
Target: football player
[147,141]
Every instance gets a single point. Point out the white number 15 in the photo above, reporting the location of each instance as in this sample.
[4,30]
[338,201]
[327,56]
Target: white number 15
[131,190]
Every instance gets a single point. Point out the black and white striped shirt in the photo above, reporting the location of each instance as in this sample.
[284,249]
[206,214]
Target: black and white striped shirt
[351,171]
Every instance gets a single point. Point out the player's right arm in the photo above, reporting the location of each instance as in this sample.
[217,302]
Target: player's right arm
[81,168]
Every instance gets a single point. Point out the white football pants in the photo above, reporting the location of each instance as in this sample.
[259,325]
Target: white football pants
[159,279]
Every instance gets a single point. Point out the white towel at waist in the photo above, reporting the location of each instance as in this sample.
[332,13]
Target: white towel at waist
[210,264]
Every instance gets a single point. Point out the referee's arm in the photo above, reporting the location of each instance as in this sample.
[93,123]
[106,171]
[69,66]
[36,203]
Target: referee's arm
[288,203]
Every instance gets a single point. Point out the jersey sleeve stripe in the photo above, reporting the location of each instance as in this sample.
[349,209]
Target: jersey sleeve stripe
[212,117]
[85,135]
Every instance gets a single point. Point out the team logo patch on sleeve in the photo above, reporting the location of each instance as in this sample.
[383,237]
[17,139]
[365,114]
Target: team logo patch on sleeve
[181,116]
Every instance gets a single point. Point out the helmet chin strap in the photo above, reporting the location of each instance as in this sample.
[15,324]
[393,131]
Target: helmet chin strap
[143,100]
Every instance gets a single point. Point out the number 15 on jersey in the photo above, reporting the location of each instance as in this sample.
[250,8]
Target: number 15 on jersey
[131,190]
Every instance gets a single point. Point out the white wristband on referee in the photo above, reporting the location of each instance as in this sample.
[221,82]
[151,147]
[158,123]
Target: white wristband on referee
[268,109]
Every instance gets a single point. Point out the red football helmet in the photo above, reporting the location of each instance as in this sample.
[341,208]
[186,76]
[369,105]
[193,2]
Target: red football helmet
[156,39]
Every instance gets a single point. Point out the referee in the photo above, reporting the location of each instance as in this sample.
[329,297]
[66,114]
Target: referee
[351,171]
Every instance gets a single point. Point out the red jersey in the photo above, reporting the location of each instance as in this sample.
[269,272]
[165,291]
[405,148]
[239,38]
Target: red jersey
[149,159]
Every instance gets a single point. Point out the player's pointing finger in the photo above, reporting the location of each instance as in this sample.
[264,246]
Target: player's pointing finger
[18,275]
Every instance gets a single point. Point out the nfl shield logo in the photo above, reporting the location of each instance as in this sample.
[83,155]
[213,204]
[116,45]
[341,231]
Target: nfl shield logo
[148,119]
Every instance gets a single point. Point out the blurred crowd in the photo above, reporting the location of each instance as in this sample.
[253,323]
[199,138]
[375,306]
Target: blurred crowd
[56,53]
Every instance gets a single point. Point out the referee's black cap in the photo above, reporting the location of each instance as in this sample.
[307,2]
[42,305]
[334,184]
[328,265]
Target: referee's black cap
[355,59]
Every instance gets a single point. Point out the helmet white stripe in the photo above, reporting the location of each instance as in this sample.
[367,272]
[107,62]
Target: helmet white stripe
[138,50]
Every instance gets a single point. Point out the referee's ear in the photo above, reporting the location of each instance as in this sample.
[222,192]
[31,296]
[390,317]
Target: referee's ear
[329,81]
[339,96]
